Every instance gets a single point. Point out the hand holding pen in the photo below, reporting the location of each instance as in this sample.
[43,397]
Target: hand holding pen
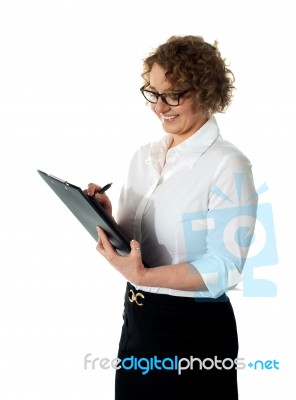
[99,194]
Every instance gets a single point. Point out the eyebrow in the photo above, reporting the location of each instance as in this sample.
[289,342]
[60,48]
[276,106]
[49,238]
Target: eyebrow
[152,88]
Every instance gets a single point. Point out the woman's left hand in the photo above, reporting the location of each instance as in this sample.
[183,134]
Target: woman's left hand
[130,266]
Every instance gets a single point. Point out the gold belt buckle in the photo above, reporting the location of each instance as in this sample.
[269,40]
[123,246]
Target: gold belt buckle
[135,296]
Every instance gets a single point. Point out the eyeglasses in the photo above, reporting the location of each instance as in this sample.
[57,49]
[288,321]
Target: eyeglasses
[171,99]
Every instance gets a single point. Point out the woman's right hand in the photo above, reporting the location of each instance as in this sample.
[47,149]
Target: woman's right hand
[92,190]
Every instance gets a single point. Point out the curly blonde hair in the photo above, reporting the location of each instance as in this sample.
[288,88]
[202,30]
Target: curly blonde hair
[192,64]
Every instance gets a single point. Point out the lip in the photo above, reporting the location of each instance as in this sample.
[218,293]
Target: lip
[168,118]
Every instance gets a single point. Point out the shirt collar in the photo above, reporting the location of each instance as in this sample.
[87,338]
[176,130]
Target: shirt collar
[190,149]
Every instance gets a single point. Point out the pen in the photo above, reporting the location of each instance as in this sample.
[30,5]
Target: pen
[104,188]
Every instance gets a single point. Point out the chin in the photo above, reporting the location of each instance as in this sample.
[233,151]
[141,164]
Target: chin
[169,128]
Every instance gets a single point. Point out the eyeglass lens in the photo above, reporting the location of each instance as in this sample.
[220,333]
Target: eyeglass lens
[171,99]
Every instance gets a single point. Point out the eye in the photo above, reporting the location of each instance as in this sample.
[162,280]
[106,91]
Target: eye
[151,96]
[172,97]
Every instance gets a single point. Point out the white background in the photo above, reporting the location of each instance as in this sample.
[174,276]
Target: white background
[70,105]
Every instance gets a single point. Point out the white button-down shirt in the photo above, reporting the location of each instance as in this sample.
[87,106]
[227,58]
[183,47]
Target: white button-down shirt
[193,203]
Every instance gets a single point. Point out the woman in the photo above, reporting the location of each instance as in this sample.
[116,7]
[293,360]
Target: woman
[179,334]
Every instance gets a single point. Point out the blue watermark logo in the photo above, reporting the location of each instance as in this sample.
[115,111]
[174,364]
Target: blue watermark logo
[146,365]
[240,236]
[264,364]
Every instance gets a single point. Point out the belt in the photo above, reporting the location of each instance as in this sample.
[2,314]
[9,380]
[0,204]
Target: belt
[140,298]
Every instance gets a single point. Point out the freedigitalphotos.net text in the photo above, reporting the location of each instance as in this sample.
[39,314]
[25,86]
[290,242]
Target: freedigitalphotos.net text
[169,363]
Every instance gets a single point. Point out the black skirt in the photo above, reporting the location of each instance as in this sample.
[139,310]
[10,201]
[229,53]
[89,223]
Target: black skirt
[176,348]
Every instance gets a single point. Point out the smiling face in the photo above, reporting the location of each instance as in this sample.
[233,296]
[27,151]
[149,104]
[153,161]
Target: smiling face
[181,121]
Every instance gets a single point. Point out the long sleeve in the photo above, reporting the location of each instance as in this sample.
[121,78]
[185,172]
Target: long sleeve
[227,226]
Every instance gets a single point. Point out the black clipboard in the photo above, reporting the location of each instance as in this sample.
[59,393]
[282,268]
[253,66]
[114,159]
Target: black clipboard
[88,211]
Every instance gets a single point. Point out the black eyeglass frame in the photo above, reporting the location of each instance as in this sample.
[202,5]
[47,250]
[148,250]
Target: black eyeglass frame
[163,96]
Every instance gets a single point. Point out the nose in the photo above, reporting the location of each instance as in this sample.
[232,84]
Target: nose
[161,106]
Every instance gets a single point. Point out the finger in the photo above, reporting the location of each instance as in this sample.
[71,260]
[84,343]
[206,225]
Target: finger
[100,246]
[105,243]
[102,198]
[101,235]
[92,189]
[135,247]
